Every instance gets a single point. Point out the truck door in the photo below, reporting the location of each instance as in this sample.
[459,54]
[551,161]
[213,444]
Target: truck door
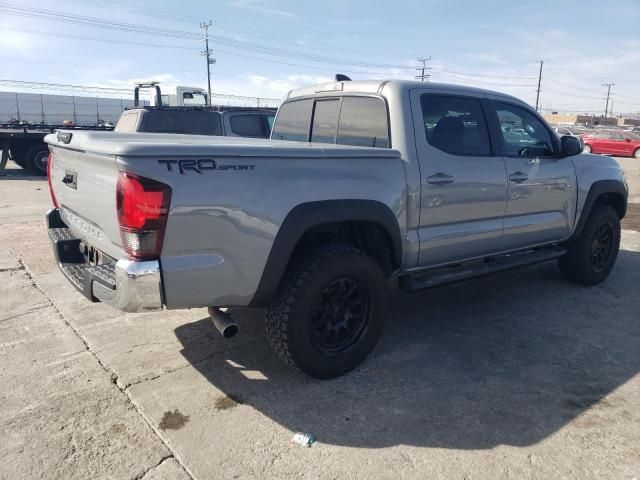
[541,186]
[463,179]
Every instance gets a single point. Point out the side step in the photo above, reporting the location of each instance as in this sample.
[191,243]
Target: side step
[442,276]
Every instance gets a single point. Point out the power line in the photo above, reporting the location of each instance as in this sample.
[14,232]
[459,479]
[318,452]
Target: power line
[423,76]
[132,28]
[113,90]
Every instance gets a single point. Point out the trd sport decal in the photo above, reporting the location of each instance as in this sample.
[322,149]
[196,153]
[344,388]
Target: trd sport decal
[200,165]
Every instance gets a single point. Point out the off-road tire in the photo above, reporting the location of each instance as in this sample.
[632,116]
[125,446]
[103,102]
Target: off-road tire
[33,160]
[577,266]
[289,318]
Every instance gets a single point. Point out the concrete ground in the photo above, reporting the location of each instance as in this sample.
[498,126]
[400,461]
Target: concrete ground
[518,375]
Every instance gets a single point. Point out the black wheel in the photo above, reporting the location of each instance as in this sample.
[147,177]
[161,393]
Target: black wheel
[592,255]
[36,159]
[17,156]
[329,311]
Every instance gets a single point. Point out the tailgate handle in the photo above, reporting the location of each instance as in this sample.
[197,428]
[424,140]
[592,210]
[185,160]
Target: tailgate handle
[70,180]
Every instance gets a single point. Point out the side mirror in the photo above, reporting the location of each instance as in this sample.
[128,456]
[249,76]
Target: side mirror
[628,140]
[571,145]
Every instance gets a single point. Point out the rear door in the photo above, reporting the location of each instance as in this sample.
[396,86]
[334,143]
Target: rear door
[463,179]
[604,143]
[541,186]
[619,144]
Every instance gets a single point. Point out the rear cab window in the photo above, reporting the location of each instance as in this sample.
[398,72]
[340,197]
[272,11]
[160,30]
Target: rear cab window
[249,125]
[346,120]
[127,122]
[293,121]
[189,122]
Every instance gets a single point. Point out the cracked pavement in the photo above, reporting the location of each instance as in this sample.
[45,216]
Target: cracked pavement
[519,375]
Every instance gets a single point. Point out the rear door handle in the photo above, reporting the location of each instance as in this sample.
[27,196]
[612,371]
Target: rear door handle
[518,177]
[440,178]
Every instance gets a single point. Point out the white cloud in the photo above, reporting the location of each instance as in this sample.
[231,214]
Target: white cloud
[261,6]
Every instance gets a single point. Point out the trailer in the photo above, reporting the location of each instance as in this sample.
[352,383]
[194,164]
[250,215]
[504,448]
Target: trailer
[24,144]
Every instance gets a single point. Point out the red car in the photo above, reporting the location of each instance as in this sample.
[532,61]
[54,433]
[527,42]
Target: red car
[622,144]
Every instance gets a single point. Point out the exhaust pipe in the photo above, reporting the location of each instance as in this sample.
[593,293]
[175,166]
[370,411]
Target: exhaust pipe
[223,323]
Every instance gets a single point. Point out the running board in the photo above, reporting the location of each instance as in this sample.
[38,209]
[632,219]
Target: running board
[442,276]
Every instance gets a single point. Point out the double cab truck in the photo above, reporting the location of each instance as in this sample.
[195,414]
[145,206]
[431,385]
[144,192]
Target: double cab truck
[361,182]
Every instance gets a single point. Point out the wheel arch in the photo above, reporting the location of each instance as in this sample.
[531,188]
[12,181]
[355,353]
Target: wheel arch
[602,192]
[319,218]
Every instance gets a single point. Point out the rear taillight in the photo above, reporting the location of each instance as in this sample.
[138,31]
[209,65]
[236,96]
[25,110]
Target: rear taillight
[53,195]
[143,206]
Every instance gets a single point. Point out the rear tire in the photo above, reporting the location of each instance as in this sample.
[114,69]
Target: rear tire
[593,254]
[329,311]
[586,149]
[36,159]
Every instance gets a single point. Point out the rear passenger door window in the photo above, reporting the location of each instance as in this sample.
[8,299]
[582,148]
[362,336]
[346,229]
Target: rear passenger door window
[363,122]
[523,134]
[455,125]
[325,121]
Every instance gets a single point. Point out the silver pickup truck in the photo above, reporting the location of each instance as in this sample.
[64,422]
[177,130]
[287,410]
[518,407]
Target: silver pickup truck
[361,182]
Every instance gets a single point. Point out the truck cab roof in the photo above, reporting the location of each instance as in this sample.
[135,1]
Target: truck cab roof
[389,88]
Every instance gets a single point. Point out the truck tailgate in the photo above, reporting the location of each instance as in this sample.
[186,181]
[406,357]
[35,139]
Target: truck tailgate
[84,185]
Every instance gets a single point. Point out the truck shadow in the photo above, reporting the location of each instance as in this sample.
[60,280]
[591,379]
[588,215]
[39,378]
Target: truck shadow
[13,172]
[508,359]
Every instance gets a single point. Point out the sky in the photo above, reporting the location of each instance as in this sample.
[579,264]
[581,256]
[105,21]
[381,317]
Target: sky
[264,48]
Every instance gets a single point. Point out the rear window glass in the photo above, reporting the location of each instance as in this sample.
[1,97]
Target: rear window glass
[248,125]
[363,122]
[325,121]
[293,121]
[127,123]
[194,122]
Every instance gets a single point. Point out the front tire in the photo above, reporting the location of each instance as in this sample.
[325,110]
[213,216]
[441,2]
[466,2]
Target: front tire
[636,154]
[592,255]
[329,311]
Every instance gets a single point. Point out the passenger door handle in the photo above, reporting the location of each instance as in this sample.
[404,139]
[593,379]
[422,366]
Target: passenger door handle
[440,178]
[518,177]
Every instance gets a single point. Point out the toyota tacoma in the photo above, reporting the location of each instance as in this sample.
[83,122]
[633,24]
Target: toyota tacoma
[361,182]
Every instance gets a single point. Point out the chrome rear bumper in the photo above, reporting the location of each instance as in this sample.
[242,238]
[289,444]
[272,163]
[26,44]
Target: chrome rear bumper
[128,285]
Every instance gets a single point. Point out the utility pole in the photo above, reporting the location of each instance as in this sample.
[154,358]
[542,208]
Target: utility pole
[423,76]
[207,54]
[606,107]
[611,109]
[541,62]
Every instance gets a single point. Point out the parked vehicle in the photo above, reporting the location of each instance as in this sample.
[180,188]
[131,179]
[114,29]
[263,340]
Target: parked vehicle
[568,130]
[411,181]
[622,144]
[23,143]
[224,121]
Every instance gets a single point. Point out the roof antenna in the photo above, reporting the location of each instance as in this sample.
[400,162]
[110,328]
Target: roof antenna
[342,78]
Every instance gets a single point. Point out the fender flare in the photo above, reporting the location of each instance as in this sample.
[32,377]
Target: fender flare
[597,189]
[309,215]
